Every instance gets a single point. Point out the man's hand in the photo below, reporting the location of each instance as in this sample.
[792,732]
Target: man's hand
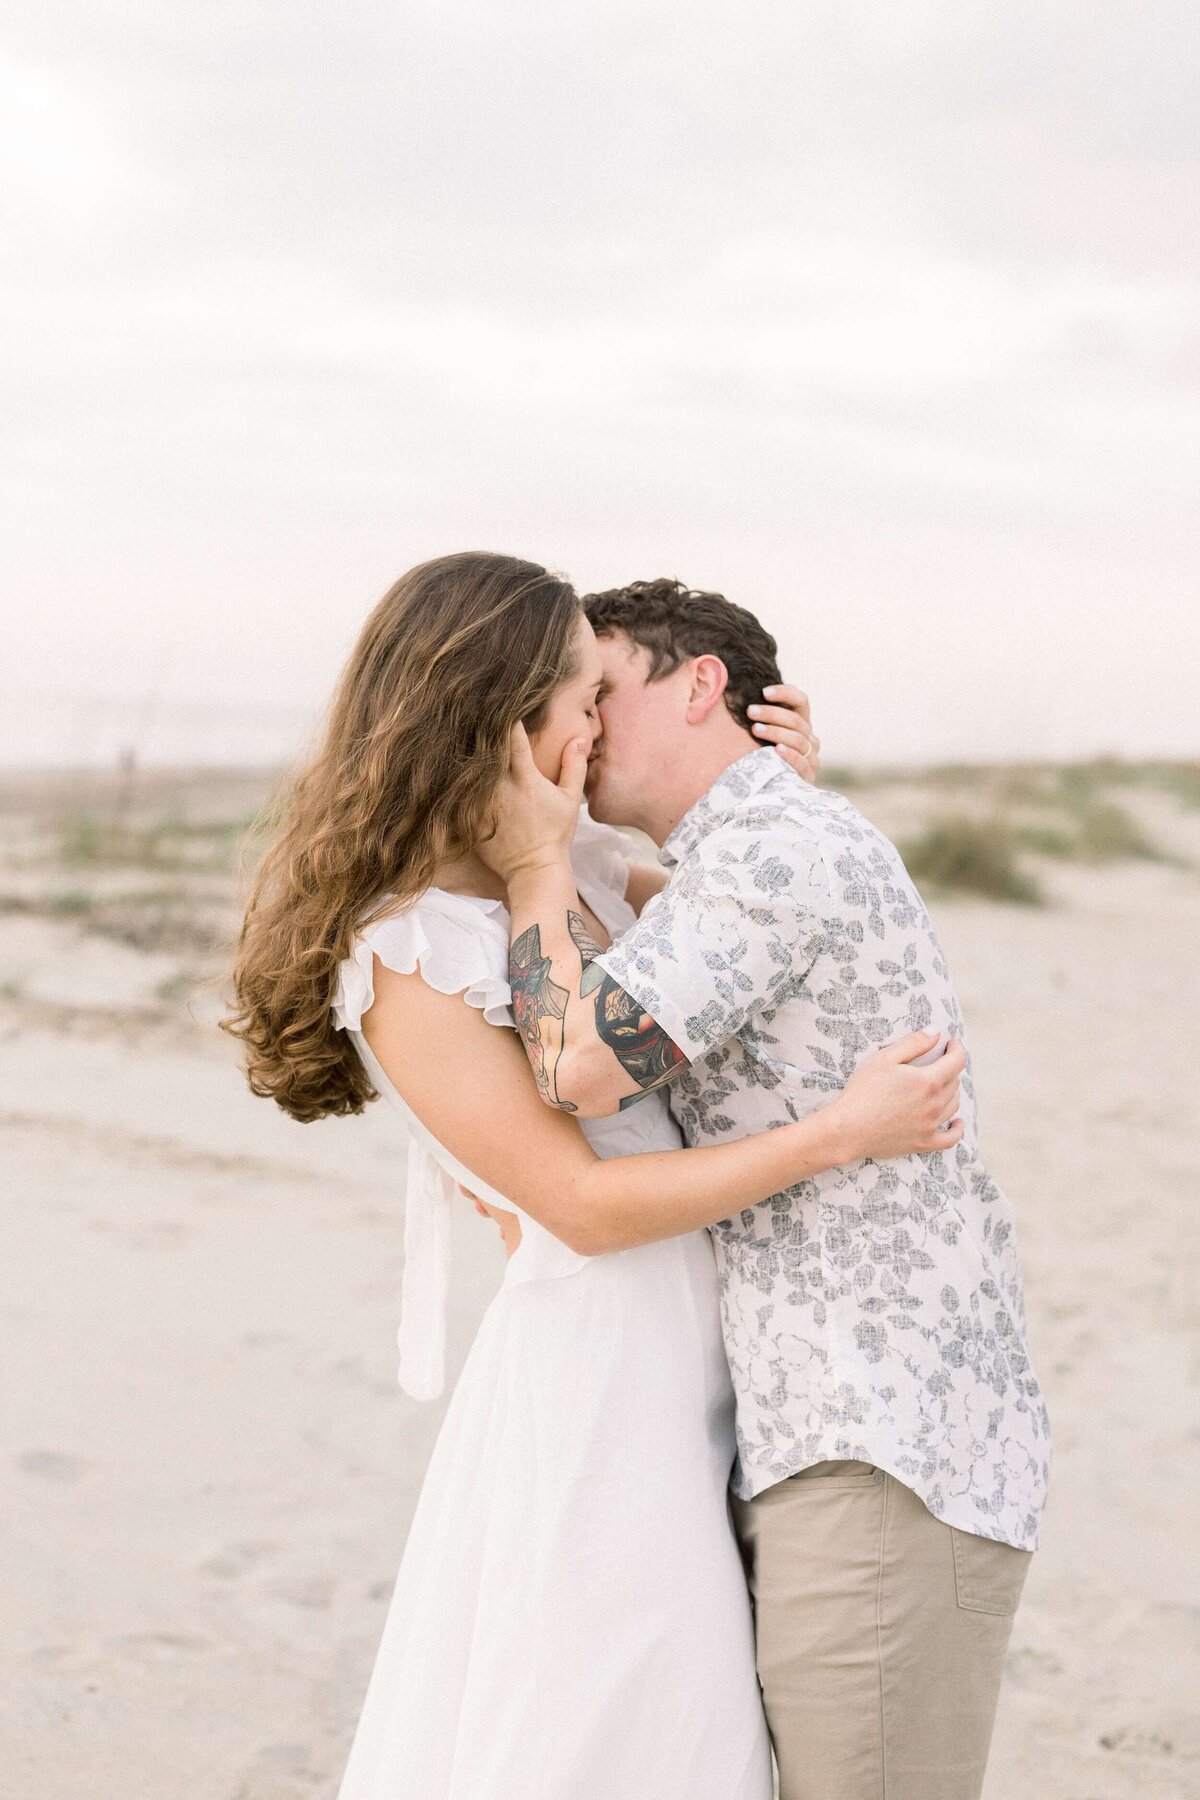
[506,1223]
[787,723]
[534,819]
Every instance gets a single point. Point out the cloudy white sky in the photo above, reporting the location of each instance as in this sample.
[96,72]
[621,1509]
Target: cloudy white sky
[884,320]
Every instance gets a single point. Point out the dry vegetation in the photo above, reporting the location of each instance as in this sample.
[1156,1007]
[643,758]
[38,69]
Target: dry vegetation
[157,861]
[992,830]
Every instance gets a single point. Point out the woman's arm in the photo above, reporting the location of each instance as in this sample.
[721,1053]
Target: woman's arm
[468,1082]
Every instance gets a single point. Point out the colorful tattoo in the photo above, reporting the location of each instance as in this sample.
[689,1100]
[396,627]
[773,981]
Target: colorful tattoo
[638,1042]
[535,998]
[589,949]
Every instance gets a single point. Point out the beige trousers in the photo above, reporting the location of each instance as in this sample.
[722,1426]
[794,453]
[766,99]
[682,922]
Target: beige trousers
[881,1636]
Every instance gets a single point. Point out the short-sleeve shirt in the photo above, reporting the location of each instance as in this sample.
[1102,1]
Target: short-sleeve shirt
[874,1312]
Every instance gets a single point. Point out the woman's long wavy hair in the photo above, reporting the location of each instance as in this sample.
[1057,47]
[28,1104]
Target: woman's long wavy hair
[417,736]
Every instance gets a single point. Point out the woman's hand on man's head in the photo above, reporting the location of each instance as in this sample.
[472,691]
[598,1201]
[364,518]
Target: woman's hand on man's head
[785,720]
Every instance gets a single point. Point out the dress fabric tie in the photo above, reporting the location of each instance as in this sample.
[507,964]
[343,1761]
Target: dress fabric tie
[422,1334]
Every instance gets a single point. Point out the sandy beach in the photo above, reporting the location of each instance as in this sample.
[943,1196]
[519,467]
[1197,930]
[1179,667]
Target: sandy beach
[208,1467]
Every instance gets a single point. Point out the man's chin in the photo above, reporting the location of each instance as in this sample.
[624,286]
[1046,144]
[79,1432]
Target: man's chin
[593,793]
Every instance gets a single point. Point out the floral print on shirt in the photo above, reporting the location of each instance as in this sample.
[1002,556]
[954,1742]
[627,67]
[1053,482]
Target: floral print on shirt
[874,1312]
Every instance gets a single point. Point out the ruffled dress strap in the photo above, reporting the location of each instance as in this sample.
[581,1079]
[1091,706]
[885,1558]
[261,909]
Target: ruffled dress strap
[460,946]
[458,942]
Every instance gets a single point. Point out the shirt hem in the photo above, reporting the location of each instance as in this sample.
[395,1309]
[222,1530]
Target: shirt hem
[957,1514]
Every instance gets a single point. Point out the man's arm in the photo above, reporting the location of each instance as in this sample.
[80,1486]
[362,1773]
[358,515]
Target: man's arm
[645,880]
[592,1046]
[732,933]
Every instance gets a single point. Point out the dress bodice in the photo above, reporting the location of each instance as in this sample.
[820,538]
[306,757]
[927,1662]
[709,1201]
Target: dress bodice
[459,944]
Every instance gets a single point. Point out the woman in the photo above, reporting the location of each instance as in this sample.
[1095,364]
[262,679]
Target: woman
[570,1618]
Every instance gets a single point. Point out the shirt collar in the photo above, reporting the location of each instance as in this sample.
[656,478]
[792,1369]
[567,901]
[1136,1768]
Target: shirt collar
[741,779]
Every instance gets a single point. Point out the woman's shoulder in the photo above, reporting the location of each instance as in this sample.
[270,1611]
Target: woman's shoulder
[458,943]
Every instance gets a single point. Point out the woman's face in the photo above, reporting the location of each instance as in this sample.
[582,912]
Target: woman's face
[573,711]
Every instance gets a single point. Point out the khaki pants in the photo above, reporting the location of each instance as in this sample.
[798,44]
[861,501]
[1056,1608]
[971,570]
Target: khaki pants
[881,1636]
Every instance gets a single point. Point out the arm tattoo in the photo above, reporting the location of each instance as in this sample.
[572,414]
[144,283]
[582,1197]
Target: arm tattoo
[536,997]
[588,949]
[638,1042]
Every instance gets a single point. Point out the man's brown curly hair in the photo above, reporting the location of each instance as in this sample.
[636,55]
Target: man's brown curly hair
[673,623]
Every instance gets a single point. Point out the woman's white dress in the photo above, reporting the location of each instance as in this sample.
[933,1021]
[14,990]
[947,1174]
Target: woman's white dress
[570,1620]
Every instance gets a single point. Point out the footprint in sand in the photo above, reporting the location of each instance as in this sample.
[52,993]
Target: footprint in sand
[1137,1740]
[166,1644]
[52,1465]
[312,1592]
[237,1558]
[292,1763]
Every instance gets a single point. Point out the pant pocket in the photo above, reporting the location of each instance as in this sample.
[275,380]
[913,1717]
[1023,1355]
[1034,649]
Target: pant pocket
[822,1478]
[988,1575]
[838,1471]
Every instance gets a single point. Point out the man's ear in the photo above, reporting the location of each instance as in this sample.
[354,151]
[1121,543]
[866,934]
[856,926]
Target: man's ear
[709,679]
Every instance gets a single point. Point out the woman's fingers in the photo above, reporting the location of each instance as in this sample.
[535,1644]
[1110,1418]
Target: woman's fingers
[573,773]
[782,693]
[799,752]
[806,766]
[785,721]
[785,734]
[914,1043]
[948,1107]
[790,717]
[520,749]
[792,749]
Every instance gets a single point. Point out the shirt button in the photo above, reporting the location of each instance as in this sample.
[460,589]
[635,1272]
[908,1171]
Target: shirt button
[878,1477]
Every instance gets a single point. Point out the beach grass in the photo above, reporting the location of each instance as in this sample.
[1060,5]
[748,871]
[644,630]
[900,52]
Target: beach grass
[961,854]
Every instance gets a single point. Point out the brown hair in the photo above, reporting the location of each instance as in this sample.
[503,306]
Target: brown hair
[416,738]
[673,622]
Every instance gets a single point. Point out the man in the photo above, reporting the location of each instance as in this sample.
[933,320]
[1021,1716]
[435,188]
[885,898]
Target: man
[892,1439]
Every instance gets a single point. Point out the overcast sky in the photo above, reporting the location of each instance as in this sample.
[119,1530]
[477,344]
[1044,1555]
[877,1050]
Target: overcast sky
[884,320]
